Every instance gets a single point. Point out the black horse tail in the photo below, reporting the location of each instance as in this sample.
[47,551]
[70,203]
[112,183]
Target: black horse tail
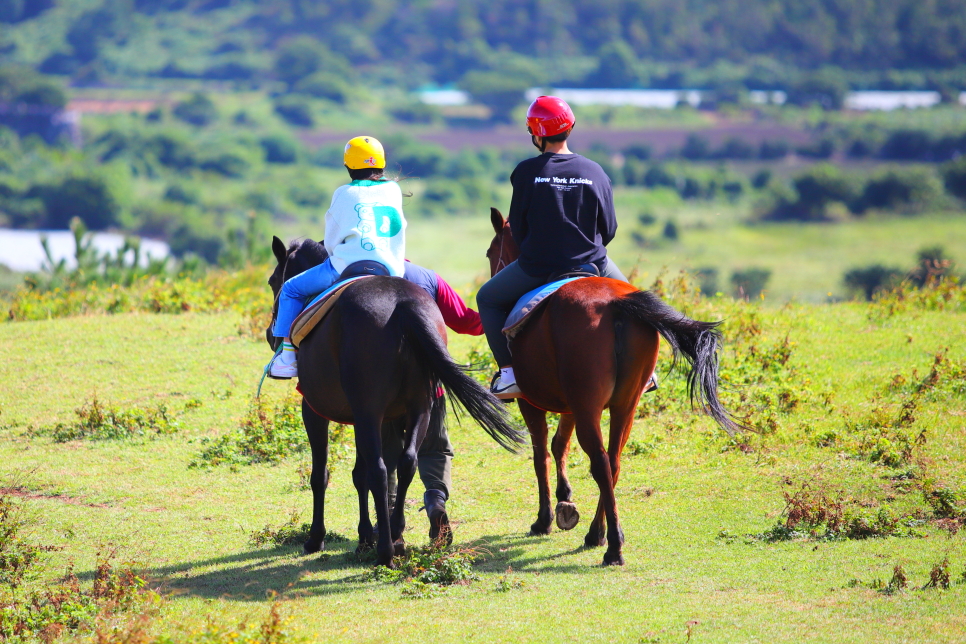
[485,409]
[697,341]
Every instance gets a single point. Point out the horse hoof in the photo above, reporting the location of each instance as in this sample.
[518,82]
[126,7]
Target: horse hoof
[567,515]
[616,559]
[594,540]
[311,547]
[540,529]
[364,547]
[399,548]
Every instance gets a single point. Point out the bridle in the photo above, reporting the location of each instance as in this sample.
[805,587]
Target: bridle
[500,262]
[277,295]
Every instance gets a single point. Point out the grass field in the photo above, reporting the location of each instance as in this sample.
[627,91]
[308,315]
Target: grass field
[690,499]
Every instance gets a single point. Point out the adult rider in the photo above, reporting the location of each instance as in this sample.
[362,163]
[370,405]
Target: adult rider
[561,215]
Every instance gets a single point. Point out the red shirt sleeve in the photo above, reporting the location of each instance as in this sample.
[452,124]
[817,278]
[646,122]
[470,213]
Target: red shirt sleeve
[456,314]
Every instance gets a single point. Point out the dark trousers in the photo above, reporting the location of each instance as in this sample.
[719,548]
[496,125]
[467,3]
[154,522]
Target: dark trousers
[497,297]
[434,461]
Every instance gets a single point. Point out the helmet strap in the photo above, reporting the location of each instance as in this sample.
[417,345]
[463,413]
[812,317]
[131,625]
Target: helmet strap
[542,146]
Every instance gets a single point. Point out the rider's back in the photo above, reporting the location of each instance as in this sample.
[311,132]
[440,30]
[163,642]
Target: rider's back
[562,212]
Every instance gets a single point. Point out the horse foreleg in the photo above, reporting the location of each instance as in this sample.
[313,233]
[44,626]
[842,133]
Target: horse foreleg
[536,420]
[566,511]
[317,429]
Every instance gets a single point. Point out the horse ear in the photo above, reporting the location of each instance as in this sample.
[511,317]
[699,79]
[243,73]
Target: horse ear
[278,248]
[496,218]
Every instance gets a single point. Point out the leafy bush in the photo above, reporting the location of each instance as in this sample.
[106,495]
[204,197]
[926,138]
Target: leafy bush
[816,191]
[773,150]
[294,110]
[198,110]
[325,85]
[266,435]
[814,513]
[954,177]
[749,283]
[696,148]
[873,279]
[89,198]
[907,145]
[97,421]
[216,291]
[906,189]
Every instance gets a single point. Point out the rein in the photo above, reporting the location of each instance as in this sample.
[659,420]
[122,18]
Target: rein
[500,262]
[258,392]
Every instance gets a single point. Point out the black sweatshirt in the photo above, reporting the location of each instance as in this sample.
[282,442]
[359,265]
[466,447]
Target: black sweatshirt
[561,213]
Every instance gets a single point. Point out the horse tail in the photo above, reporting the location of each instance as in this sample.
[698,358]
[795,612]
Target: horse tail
[697,341]
[431,353]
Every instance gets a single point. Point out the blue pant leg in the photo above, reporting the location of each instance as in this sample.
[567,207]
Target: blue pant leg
[495,301]
[297,291]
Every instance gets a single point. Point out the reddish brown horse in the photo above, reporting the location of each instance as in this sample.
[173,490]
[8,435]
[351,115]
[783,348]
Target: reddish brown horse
[591,347]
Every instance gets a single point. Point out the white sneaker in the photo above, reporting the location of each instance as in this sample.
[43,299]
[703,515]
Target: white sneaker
[282,370]
[504,385]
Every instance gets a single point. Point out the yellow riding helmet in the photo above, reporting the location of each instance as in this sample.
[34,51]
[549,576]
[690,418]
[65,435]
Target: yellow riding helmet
[364,152]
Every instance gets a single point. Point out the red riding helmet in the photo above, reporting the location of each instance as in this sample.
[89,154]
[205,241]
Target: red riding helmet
[549,115]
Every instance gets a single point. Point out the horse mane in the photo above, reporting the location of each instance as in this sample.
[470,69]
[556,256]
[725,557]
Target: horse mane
[308,252]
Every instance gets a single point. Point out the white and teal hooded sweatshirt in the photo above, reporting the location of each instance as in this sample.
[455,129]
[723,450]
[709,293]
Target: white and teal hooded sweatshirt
[365,221]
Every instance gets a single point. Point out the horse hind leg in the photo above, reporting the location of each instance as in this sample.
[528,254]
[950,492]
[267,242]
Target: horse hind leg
[566,511]
[536,420]
[589,436]
[359,479]
[405,471]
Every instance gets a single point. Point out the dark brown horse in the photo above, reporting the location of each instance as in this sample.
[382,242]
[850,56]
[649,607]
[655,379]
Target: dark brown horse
[376,361]
[593,346]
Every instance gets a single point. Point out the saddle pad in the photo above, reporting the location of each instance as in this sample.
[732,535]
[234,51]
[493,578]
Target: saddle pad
[529,303]
[318,308]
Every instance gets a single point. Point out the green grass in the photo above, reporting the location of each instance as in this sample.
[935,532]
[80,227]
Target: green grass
[191,528]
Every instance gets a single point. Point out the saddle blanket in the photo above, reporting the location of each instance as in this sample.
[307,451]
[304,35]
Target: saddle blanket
[531,301]
[317,309]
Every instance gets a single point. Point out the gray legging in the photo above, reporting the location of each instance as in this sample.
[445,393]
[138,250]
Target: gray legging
[497,297]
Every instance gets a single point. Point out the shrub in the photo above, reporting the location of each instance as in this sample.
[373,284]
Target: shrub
[773,150]
[954,177]
[822,149]
[227,164]
[907,145]
[417,112]
[696,148]
[294,110]
[89,198]
[932,265]
[749,283]
[198,110]
[873,279]
[279,149]
[761,179]
[325,85]
[816,191]
[97,421]
[639,151]
[657,176]
[906,189]
[735,148]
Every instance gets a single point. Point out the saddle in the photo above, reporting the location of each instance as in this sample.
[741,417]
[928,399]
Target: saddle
[531,301]
[318,308]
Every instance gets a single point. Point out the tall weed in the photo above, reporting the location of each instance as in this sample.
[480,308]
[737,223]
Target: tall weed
[99,421]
